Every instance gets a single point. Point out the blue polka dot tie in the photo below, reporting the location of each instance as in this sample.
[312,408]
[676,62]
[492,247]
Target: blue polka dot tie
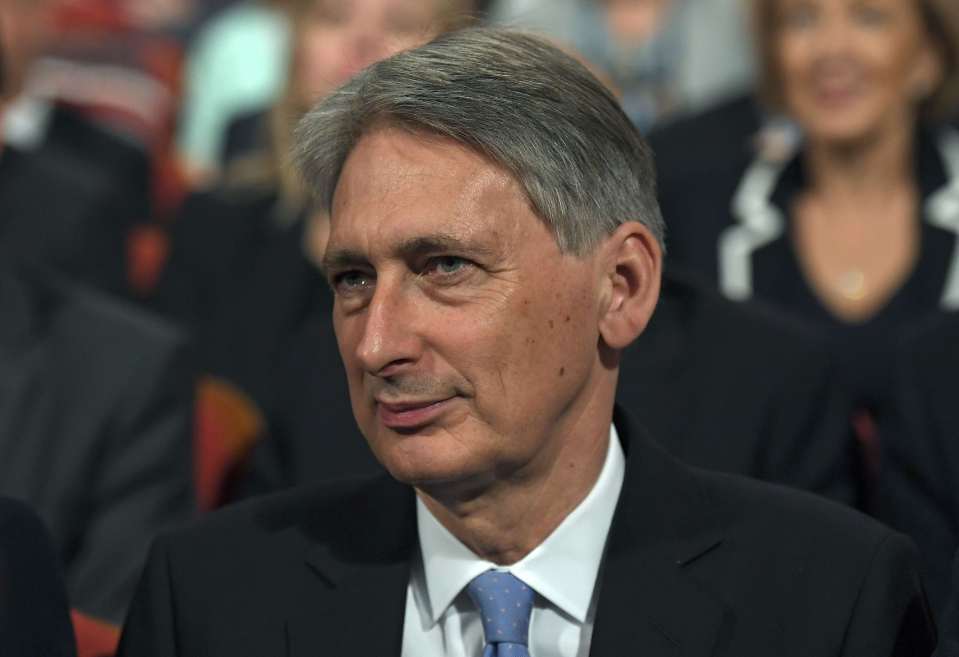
[505,604]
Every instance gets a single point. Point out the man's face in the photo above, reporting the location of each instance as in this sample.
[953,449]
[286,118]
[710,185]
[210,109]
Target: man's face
[470,341]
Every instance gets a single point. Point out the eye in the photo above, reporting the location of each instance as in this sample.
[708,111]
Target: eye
[351,282]
[331,12]
[446,265]
[871,15]
[798,16]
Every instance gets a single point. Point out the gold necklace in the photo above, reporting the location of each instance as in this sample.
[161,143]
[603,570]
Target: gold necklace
[852,284]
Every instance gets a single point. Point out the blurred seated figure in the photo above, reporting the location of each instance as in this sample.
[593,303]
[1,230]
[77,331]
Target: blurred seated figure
[666,57]
[95,428]
[34,621]
[101,178]
[846,215]
[236,65]
[62,216]
[248,133]
[222,235]
[918,491]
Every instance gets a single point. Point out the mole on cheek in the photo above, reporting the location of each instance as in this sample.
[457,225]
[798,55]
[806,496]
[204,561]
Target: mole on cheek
[567,318]
[562,371]
[551,323]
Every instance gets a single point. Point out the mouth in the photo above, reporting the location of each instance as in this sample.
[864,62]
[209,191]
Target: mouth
[833,93]
[411,414]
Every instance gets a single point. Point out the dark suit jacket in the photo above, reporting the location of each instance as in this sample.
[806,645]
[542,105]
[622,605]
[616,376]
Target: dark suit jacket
[123,164]
[58,214]
[95,429]
[34,619]
[722,385]
[919,483]
[738,388]
[696,564]
[949,633]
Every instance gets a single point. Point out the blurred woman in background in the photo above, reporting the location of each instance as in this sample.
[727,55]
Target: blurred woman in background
[239,274]
[850,219]
[852,226]
[221,233]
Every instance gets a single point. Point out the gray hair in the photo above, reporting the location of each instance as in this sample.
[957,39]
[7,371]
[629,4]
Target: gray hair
[517,100]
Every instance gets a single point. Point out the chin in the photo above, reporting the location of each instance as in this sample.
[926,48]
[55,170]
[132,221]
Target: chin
[424,459]
[843,131]
[843,126]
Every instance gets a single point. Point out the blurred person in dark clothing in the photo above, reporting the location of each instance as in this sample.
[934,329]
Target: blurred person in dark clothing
[70,191]
[853,225]
[95,428]
[848,216]
[34,619]
[95,404]
[845,215]
[221,236]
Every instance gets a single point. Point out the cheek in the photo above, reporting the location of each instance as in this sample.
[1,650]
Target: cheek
[318,56]
[542,352]
[793,64]
[899,64]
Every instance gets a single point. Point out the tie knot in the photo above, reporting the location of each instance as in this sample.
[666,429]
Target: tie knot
[505,603]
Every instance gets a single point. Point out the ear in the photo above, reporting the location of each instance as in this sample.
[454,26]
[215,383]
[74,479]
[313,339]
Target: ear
[633,268]
[927,72]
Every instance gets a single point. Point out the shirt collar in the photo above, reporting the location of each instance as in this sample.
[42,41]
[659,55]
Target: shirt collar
[575,546]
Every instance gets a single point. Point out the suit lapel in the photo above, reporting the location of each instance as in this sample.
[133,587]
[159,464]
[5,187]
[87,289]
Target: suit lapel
[355,597]
[647,605]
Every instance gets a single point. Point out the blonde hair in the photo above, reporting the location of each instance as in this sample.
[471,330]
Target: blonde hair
[274,168]
[940,19]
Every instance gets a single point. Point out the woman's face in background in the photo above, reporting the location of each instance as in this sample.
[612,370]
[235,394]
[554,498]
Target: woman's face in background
[338,38]
[850,69]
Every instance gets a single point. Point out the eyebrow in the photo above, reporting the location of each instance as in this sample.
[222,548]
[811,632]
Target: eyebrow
[340,259]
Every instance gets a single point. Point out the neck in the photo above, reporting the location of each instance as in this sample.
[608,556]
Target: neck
[867,170]
[506,520]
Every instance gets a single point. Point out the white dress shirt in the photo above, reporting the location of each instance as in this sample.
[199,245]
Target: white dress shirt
[441,620]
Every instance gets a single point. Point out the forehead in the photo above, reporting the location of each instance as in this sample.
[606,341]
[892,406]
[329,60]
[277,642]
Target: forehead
[366,5]
[396,184]
[847,4]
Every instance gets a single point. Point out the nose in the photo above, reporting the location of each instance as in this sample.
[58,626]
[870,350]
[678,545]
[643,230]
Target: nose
[390,341]
[833,37]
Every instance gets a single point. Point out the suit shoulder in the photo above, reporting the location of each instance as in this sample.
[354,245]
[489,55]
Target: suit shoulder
[785,515]
[126,318]
[327,512]
[764,334]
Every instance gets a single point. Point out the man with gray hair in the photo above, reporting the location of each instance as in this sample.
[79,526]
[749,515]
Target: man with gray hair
[494,246]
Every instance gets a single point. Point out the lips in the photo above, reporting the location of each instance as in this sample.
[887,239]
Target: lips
[411,414]
[836,95]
